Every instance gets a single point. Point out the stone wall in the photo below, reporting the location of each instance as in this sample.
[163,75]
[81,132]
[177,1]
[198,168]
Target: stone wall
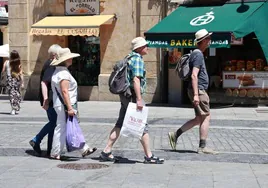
[134,18]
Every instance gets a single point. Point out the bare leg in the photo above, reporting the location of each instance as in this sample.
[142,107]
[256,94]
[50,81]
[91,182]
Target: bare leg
[145,141]
[190,124]
[112,139]
[203,131]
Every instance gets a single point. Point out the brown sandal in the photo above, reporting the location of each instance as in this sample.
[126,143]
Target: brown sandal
[89,152]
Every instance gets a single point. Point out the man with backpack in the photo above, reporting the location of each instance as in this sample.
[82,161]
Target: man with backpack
[45,96]
[137,83]
[198,84]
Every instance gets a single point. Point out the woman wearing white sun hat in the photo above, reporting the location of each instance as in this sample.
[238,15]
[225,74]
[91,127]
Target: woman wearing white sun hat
[64,88]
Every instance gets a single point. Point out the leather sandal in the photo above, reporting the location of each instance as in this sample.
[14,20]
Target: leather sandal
[89,152]
[107,157]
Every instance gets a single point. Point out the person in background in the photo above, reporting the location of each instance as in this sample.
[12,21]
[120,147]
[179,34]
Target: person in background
[14,81]
[64,88]
[46,101]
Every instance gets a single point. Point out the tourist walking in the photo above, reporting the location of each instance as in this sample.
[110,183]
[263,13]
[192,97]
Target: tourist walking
[137,80]
[64,88]
[197,92]
[46,101]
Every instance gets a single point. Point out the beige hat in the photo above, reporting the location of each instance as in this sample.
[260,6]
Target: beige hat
[62,55]
[138,42]
[201,35]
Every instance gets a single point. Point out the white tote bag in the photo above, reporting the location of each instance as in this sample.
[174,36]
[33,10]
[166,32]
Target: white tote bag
[135,121]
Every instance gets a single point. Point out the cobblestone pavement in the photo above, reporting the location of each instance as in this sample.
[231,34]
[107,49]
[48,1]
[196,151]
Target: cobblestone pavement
[234,144]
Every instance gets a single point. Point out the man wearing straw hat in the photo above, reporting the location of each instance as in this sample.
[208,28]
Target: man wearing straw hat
[197,93]
[137,80]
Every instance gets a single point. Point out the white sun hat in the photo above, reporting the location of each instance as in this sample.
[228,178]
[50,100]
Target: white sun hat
[201,35]
[63,54]
[138,42]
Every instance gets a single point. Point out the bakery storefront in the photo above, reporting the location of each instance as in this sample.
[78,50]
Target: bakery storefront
[237,57]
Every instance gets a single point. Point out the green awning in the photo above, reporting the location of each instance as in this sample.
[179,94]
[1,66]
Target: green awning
[237,18]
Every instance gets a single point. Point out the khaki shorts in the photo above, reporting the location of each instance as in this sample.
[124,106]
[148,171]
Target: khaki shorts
[203,108]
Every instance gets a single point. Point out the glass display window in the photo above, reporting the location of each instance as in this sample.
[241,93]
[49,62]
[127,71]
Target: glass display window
[86,68]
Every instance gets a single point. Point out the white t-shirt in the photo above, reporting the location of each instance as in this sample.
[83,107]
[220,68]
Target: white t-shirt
[62,73]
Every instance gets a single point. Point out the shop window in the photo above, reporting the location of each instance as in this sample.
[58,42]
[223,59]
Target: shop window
[86,68]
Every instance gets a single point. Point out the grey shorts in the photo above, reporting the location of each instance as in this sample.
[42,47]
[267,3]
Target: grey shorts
[124,103]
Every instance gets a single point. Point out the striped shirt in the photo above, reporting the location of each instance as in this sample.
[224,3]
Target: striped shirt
[137,68]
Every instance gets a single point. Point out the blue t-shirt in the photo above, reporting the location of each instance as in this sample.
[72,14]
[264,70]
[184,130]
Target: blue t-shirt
[197,60]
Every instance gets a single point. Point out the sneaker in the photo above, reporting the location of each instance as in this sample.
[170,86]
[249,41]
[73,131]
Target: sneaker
[36,147]
[206,150]
[172,140]
[153,160]
[13,112]
[17,112]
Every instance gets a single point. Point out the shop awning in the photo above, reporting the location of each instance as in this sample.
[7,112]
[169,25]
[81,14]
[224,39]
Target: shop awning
[177,30]
[70,25]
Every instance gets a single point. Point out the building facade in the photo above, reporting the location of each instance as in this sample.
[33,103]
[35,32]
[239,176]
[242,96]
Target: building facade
[133,18]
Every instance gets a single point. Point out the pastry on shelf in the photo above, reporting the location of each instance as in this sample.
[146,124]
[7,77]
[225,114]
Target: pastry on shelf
[250,93]
[262,93]
[228,92]
[242,93]
[257,93]
[235,92]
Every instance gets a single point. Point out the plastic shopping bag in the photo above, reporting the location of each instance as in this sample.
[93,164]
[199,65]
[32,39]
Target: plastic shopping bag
[74,137]
[134,121]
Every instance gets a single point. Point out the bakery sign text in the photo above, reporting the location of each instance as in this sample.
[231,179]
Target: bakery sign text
[82,7]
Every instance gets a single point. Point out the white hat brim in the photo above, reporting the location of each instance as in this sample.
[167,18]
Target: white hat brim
[64,58]
[140,45]
[199,40]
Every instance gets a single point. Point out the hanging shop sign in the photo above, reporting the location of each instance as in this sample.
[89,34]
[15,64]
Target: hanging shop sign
[66,32]
[82,7]
[186,41]
[245,80]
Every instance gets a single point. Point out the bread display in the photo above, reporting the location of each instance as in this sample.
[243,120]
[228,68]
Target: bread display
[228,92]
[259,65]
[262,93]
[257,93]
[242,93]
[235,92]
[240,65]
[250,66]
[250,93]
[246,79]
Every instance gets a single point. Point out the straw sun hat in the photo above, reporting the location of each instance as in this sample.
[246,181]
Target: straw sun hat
[63,54]
[201,35]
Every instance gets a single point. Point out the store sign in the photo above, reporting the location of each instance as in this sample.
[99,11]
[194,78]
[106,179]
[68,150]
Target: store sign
[203,20]
[245,80]
[185,43]
[82,7]
[66,32]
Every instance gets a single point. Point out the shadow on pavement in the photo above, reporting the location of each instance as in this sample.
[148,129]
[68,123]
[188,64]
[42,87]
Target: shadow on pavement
[119,160]
[178,151]
[5,113]
[44,155]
